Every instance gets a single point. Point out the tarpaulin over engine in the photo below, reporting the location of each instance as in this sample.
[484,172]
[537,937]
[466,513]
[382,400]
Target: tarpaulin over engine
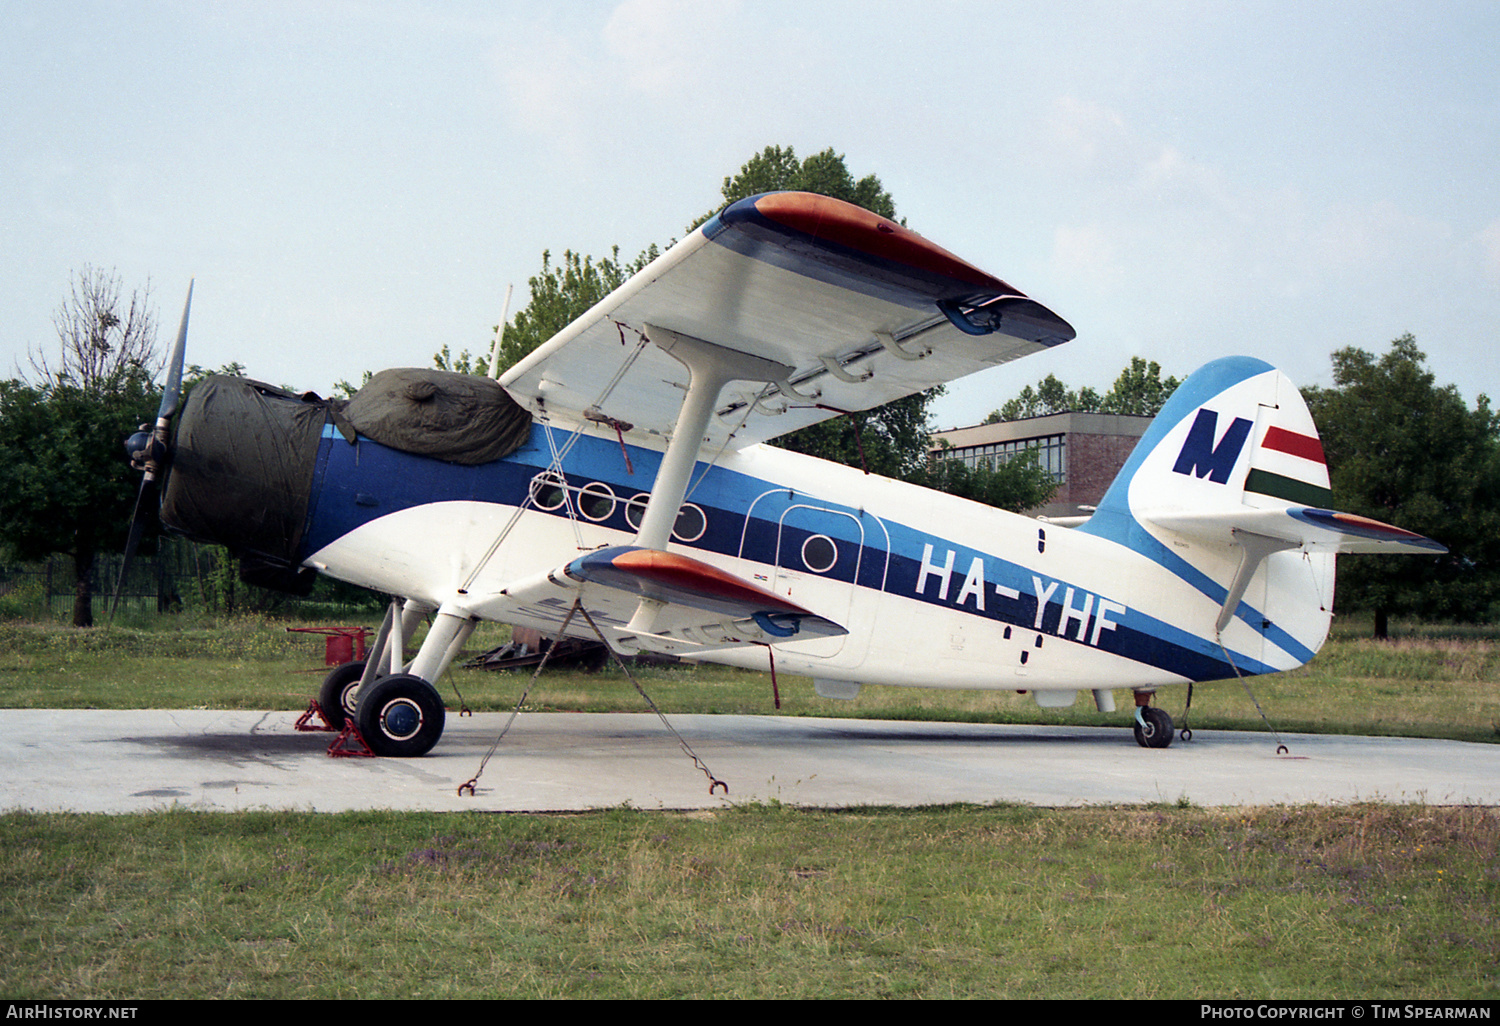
[242,466]
[242,470]
[459,418]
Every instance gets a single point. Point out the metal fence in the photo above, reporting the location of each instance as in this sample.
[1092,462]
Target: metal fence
[172,577]
[179,575]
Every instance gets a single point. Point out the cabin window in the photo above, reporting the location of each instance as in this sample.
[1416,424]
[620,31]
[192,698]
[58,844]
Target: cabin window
[596,501]
[548,491]
[691,523]
[635,510]
[819,553]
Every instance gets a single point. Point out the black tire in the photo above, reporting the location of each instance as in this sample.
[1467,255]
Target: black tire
[1157,733]
[336,696]
[401,716]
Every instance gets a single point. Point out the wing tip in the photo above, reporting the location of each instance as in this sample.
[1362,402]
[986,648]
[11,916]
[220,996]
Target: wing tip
[843,229]
[1354,526]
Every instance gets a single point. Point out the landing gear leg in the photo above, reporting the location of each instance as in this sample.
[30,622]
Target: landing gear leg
[401,714]
[1153,727]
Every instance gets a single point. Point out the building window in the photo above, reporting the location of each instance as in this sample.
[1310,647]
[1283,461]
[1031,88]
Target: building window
[1051,452]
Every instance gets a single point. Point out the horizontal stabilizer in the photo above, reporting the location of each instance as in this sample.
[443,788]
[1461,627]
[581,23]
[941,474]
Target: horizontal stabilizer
[646,599]
[1314,530]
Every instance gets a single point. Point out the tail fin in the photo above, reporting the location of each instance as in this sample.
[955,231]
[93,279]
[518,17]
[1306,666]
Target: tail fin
[1228,490]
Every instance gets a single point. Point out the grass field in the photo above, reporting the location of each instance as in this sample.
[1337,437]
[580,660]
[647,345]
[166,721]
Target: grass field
[761,900]
[758,901]
[1434,684]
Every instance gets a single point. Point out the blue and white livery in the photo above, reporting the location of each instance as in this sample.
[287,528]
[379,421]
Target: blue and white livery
[645,495]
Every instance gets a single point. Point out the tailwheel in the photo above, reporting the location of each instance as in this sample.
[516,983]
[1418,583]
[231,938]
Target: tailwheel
[1153,727]
[401,716]
[339,693]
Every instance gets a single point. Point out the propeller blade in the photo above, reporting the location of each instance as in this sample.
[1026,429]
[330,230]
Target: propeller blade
[174,375]
[145,506]
[156,455]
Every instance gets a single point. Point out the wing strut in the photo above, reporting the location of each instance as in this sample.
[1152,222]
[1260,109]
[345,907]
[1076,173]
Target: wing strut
[1255,548]
[710,368]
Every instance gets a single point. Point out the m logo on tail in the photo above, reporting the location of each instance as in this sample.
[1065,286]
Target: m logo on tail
[1201,457]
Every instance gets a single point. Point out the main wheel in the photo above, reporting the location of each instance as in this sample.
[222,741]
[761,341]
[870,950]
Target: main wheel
[1157,733]
[337,695]
[400,716]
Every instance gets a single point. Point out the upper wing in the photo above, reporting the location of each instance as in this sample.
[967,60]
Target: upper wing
[863,310]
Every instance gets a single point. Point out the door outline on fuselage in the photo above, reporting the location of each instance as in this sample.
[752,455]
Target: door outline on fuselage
[790,574]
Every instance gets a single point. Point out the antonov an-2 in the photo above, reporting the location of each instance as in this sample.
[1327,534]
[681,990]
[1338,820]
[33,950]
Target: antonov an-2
[622,467]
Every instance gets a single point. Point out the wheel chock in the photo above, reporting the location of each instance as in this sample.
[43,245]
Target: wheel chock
[350,744]
[313,721]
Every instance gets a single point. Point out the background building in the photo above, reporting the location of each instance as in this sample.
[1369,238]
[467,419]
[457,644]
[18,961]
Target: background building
[1082,451]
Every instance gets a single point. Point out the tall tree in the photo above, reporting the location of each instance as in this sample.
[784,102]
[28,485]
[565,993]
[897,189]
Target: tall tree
[1019,483]
[103,337]
[65,485]
[1139,391]
[1404,450]
[776,168]
[560,294]
[1050,396]
[890,439]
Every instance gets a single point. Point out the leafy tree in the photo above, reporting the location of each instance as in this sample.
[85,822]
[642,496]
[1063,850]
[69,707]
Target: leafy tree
[893,438]
[1404,450]
[559,295]
[1139,391]
[345,389]
[194,373]
[1018,483]
[777,168]
[1050,396]
[562,294]
[65,485]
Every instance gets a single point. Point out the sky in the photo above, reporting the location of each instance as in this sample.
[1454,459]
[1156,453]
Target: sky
[354,184]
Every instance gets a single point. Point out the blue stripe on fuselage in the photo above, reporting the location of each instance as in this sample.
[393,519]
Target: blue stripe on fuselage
[747,517]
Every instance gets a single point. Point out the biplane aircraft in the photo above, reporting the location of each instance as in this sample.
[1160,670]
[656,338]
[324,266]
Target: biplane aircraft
[621,470]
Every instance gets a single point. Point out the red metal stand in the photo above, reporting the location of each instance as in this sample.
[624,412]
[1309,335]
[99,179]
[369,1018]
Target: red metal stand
[344,645]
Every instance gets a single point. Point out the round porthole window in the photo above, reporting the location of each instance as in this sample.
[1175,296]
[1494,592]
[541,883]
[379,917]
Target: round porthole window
[635,510]
[596,501]
[819,553]
[690,523]
[547,492]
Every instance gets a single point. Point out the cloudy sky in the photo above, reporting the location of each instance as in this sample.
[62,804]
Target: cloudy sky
[353,184]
